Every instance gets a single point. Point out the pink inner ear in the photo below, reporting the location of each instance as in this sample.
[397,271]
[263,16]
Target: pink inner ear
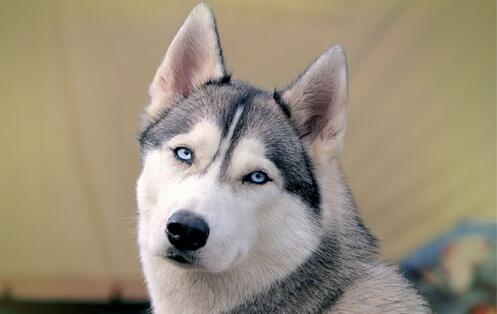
[192,59]
[316,105]
[184,74]
[188,65]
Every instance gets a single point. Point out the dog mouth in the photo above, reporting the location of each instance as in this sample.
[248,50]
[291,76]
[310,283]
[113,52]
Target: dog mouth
[180,257]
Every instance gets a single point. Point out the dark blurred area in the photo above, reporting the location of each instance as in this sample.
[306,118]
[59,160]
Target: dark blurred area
[18,307]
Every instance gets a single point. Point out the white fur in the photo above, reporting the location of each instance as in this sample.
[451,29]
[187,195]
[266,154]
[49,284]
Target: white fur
[258,233]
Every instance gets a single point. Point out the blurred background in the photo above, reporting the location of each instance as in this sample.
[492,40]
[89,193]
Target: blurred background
[419,154]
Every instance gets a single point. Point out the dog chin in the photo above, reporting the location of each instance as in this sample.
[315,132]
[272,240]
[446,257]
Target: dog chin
[184,259]
[217,265]
[198,261]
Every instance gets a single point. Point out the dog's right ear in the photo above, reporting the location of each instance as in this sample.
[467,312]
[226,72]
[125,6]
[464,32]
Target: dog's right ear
[193,58]
[318,103]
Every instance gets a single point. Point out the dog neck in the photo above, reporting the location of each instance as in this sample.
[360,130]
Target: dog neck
[313,285]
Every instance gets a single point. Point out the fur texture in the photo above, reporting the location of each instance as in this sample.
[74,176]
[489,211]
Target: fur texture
[292,244]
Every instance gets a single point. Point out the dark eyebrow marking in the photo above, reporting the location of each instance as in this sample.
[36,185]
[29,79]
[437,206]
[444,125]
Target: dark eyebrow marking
[143,137]
[299,178]
[235,138]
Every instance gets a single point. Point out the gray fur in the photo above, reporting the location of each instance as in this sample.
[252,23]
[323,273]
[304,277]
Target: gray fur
[302,130]
[262,117]
[346,256]
[346,253]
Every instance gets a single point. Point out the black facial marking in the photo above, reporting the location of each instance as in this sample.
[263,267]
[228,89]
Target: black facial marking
[299,177]
[283,105]
[226,79]
[260,118]
[282,145]
[176,119]
[225,120]
[144,135]
[243,104]
[237,131]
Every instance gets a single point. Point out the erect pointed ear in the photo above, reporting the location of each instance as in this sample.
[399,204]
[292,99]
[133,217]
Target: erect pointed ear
[193,58]
[318,102]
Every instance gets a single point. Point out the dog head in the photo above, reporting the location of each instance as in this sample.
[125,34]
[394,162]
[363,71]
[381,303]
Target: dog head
[229,170]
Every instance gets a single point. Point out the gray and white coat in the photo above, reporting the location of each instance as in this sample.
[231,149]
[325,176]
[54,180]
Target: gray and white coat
[292,243]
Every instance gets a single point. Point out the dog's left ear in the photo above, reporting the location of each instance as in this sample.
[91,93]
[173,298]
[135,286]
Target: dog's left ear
[318,102]
[193,58]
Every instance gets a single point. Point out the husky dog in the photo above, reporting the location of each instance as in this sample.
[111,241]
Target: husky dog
[242,204]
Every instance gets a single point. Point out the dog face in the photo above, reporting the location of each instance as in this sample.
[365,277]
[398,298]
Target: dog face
[229,171]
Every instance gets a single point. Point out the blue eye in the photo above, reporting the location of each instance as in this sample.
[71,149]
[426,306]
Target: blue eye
[257,177]
[184,154]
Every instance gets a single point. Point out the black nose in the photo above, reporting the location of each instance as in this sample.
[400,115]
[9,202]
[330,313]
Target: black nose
[187,231]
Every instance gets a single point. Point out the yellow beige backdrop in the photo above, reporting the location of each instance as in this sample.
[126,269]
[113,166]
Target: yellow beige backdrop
[420,152]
